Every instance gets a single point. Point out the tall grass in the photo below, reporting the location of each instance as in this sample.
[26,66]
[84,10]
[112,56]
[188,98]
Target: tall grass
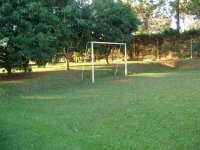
[154,109]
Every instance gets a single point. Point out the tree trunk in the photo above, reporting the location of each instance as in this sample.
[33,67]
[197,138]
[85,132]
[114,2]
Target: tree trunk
[9,72]
[67,64]
[67,56]
[106,56]
[177,14]
[107,53]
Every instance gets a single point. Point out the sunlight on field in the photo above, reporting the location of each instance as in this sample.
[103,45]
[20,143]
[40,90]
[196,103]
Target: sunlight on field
[152,74]
[62,66]
[133,66]
[41,97]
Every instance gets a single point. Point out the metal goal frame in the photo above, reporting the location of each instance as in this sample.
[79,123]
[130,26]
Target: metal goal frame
[111,43]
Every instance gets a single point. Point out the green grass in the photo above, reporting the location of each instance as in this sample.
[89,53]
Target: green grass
[158,108]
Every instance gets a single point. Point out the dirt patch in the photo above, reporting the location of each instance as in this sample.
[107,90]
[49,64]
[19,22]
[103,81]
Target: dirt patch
[174,63]
[120,81]
[97,73]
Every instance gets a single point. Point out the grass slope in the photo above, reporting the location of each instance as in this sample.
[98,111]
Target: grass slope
[156,109]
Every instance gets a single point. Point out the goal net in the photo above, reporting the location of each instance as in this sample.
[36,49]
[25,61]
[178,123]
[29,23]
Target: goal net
[109,43]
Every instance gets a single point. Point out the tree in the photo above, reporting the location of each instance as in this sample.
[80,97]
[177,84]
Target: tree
[177,10]
[168,9]
[74,27]
[177,14]
[144,11]
[152,16]
[30,26]
[112,22]
[192,9]
[158,23]
[3,44]
[184,8]
[197,47]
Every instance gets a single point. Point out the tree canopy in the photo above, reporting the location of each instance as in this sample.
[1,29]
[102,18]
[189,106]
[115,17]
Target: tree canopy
[30,27]
[74,29]
[3,44]
[112,22]
[40,31]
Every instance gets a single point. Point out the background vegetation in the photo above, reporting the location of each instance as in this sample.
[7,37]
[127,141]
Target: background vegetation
[44,31]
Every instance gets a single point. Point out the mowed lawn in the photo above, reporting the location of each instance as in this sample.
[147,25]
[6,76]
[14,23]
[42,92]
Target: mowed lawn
[156,108]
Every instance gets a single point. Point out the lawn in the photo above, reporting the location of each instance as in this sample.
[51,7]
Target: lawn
[154,107]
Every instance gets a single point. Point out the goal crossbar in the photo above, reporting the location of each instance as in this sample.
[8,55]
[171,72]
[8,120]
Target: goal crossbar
[111,43]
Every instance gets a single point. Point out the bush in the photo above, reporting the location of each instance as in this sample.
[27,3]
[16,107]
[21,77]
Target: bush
[197,47]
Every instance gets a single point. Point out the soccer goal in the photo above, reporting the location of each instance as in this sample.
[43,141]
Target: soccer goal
[109,43]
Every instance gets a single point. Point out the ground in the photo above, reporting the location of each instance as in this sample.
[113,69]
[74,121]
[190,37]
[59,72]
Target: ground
[25,76]
[137,66]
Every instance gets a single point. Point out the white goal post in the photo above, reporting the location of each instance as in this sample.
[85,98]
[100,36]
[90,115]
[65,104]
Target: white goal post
[96,42]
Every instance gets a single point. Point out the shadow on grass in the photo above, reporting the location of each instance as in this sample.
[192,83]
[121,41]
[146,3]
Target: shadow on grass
[102,69]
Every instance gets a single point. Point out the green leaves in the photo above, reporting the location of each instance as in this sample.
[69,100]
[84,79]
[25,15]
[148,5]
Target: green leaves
[4,41]
[39,30]
[171,33]
[193,7]
[115,21]
[6,8]
[3,44]
[30,26]
[197,47]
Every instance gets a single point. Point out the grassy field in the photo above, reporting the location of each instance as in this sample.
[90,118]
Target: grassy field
[155,107]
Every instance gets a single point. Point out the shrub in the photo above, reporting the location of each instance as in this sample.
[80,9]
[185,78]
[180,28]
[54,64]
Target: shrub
[197,47]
